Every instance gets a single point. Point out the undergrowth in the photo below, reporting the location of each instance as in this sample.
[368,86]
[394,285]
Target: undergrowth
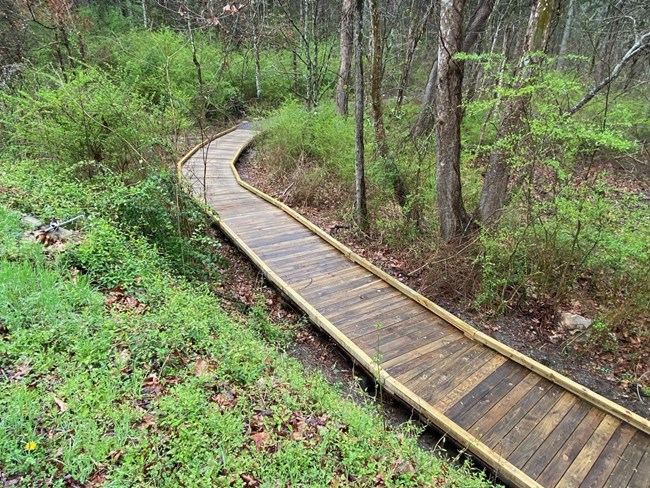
[117,370]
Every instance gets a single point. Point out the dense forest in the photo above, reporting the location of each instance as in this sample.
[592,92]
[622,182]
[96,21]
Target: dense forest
[493,154]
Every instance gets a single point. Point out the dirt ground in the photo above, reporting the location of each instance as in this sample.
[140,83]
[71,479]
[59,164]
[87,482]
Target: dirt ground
[610,374]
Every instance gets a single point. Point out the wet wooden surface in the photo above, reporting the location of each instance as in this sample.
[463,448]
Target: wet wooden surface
[552,435]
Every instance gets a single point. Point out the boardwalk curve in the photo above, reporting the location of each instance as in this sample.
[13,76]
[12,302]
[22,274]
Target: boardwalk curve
[533,426]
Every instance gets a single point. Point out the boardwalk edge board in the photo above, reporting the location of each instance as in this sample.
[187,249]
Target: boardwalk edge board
[504,468]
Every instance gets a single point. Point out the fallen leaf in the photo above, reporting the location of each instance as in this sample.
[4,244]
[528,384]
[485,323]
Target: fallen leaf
[147,422]
[63,407]
[249,480]
[201,367]
[20,371]
[260,438]
[226,399]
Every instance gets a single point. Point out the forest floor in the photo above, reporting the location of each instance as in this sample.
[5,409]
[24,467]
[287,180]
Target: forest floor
[611,372]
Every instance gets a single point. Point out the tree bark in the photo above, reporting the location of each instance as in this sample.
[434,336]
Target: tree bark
[343,80]
[360,205]
[451,211]
[144,14]
[566,35]
[375,82]
[425,121]
[390,168]
[257,23]
[416,29]
[497,176]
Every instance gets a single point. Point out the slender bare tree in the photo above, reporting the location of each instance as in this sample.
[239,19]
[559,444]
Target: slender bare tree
[360,204]
[343,80]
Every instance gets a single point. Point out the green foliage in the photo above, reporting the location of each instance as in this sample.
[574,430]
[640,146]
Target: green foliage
[174,394]
[84,117]
[319,137]
[583,234]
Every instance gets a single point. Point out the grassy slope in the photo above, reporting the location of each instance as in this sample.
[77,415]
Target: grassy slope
[161,388]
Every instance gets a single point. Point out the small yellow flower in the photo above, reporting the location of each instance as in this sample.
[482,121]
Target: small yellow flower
[30,446]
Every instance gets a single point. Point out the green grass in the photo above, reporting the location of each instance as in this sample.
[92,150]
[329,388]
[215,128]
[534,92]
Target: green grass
[173,393]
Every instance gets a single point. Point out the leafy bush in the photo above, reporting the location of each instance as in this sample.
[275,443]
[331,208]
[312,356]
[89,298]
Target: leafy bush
[319,137]
[581,235]
[86,117]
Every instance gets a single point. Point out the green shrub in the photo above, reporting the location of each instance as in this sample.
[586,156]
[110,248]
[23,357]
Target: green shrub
[86,117]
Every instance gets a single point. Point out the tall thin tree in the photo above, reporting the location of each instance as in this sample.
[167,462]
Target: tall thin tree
[345,49]
[360,204]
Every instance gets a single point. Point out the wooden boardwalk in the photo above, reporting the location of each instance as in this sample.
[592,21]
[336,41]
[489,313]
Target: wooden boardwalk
[533,426]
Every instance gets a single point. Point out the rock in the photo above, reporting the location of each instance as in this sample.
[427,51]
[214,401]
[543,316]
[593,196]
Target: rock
[30,221]
[574,323]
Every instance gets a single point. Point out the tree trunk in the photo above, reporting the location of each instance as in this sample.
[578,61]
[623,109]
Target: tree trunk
[257,22]
[343,80]
[497,176]
[416,29]
[390,168]
[477,23]
[360,206]
[566,35]
[449,82]
[144,14]
[375,83]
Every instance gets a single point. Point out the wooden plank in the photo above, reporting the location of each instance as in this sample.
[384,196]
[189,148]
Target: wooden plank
[349,288]
[347,281]
[541,399]
[548,412]
[359,325]
[265,228]
[360,301]
[429,355]
[420,371]
[284,239]
[590,452]
[376,315]
[641,476]
[547,437]
[398,346]
[316,260]
[314,285]
[392,320]
[280,252]
[295,254]
[299,241]
[571,449]
[628,463]
[415,330]
[604,465]
[427,384]
[348,299]
[545,426]
[313,271]
[480,418]
[463,381]
[412,357]
[481,384]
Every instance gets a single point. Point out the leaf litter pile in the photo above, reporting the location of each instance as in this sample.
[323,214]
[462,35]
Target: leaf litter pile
[153,383]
